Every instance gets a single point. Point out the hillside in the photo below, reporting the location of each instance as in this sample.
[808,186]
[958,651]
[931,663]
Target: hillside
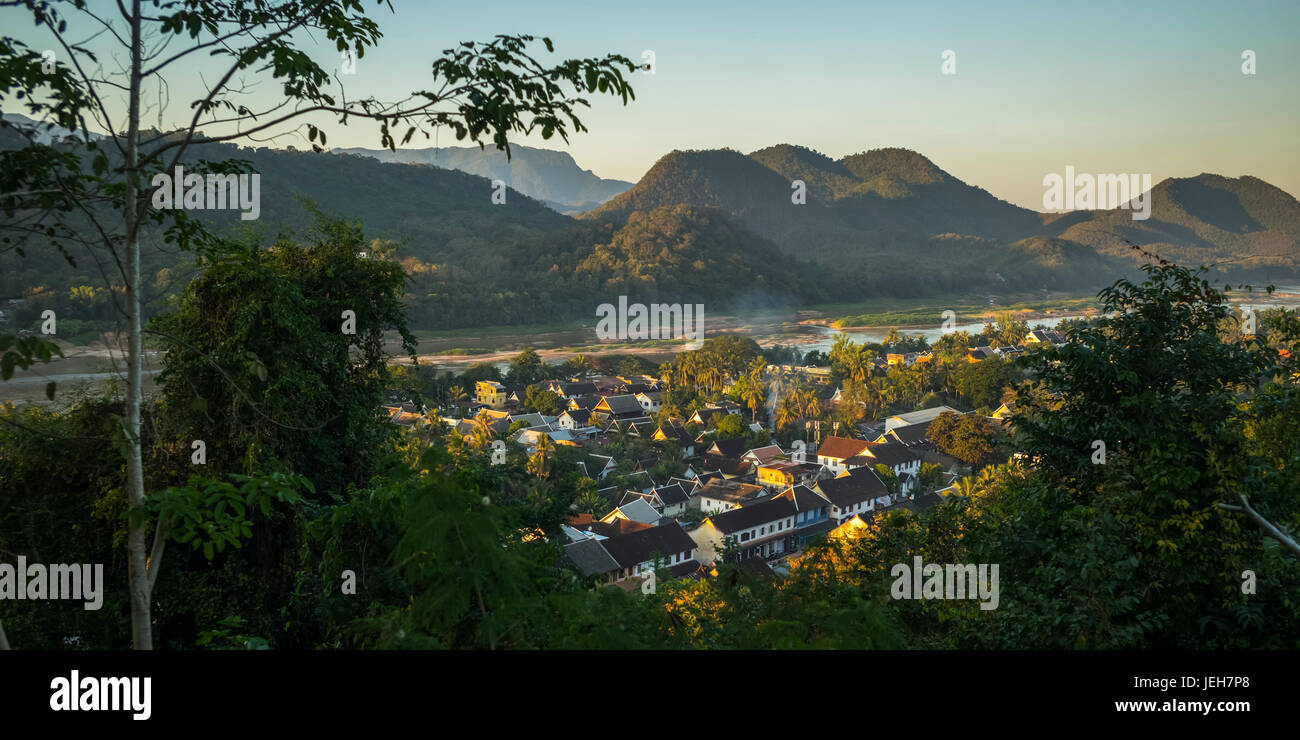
[716,227]
[1243,224]
[547,175]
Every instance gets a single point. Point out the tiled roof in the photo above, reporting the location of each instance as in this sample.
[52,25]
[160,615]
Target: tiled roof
[841,448]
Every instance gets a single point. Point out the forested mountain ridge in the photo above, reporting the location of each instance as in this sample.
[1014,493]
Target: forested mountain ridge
[717,227]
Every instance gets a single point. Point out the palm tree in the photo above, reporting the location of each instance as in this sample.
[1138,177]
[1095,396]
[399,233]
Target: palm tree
[539,464]
[787,411]
[987,479]
[967,487]
[590,502]
[893,338]
[455,395]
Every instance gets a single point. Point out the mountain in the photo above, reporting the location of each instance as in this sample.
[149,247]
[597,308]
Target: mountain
[865,212]
[715,227]
[1244,224]
[874,200]
[545,174]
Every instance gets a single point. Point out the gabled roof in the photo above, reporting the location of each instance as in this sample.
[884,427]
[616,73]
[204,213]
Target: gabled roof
[730,490]
[726,465]
[638,511]
[619,405]
[892,454]
[853,488]
[919,417]
[675,432]
[638,547]
[841,448]
[578,416]
[641,479]
[672,494]
[585,402]
[804,498]
[590,557]
[911,434]
[574,388]
[753,515]
[688,484]
[727,447]
[765,454]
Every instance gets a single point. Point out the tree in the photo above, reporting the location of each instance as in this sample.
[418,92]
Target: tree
[543,400]
[526,368]
[731,426]
[93,193]
[930,477]
[590,502]
[889,478]
[539,463]
[981,383]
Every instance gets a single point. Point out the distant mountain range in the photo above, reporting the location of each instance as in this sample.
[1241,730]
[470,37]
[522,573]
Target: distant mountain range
[545,174]
[718,227]
[897,201]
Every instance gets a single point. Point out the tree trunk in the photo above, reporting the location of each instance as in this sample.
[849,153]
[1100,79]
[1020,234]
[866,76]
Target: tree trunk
[141,626]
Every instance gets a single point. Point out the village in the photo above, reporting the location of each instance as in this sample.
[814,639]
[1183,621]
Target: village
[676,492]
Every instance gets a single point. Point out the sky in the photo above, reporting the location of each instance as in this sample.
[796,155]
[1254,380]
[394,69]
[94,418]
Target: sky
[1104,87]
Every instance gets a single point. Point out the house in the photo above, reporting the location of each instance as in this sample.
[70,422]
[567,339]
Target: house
[835,452]
[597,466]
[763,455]
[701,416]
[733,448]
[620,408]
[638,510]
[912,435]
[573,419]
[584,403]
[840,454]
[641,481]
[531,420]
[591,558]
[490,393]
[633,553]
[854,493]
[671,431]
[637,552]
[976,354]
[760,529]
[529,438]
[651,401]
[812,515]
[1004,411]
[781,474]
[673,498]
[688,484]
[1045,336]
[569,390]
[720,494]
[905,463]
[727,467]
[584,526]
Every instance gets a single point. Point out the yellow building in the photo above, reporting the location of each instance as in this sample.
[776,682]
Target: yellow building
[490,393]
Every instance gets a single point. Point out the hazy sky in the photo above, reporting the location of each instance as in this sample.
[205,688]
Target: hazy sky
[1149,87]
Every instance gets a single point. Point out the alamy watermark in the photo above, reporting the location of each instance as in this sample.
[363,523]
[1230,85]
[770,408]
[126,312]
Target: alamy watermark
[37,582]
[1087,192]
[640,322]
[949,581]
[210,192]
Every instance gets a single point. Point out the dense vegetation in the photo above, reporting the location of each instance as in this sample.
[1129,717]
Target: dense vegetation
[1147,549]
